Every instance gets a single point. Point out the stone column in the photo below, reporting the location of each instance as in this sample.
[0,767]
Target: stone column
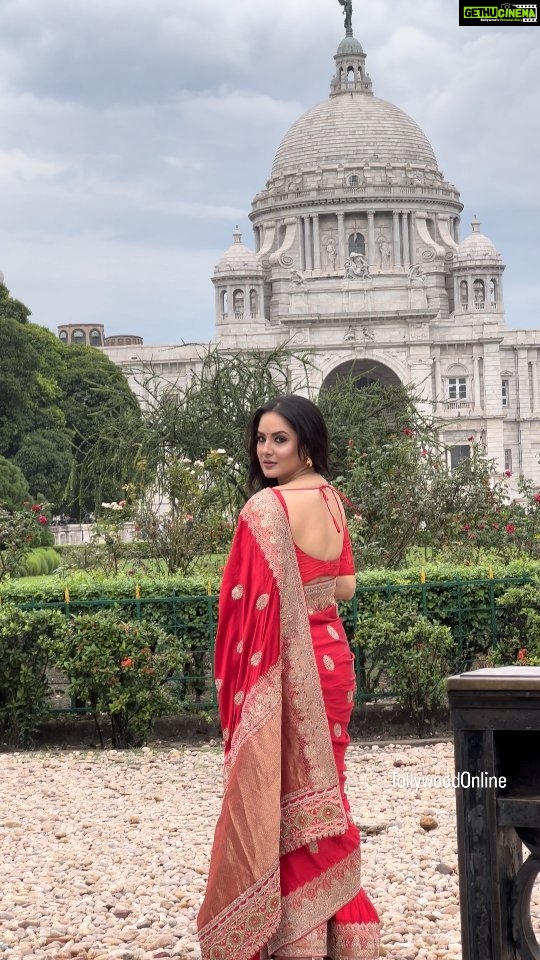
[301,245]
[534,378]
[439,399]
[405,235]
[341,239]
[476,384]
[316,242]
[371,237]
[307,243]
[395,235]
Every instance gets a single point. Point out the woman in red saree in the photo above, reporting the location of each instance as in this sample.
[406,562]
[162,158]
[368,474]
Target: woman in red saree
[284,878]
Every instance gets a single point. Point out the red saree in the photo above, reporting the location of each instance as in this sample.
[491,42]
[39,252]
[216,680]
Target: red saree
[285,867]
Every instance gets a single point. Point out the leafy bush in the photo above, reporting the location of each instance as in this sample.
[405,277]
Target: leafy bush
[41,561]
[518,639]
[123,670]
[413,652]
[26,640]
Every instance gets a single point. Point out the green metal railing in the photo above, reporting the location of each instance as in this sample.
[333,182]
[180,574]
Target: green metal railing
[468,607]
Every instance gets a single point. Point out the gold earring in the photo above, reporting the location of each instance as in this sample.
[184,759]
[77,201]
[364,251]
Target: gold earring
[308,462]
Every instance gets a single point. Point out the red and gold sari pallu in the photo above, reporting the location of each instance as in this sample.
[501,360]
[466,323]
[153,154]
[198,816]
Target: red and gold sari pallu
[284,874]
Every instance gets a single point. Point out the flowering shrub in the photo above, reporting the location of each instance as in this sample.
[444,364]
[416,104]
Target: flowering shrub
[19,532]
[26,639]
[184,516]
[122,670]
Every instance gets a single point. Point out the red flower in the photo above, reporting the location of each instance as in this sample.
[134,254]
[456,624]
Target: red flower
[423,452]
[470,439]
[466,526]
[510,528]
[126,662]
[36,508]
[42,520]
[408,432]
[537,497]
[508,473]
[522,655]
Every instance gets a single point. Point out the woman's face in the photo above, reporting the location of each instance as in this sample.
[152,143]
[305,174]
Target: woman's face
[277,448]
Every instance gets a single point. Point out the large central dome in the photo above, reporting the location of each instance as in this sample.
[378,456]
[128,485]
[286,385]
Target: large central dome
[353,129]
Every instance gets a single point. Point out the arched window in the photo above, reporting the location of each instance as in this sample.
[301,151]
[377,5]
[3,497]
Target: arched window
[350,78]
[63,336]
[353,180]
[253,303]
[238,304]
[357,243]
[479,295]
[464,294]
[493,292]
[224,303]
[78,336]
[95,338]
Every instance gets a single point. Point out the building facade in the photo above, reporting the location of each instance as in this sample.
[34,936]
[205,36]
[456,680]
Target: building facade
[357,258]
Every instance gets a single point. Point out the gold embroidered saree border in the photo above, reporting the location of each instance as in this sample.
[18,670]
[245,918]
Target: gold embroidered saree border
[317,901]
[247,923]
[308,765]
[262,701]
[353,941]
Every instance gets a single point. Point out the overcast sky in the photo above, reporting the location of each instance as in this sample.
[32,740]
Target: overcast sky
[135,133]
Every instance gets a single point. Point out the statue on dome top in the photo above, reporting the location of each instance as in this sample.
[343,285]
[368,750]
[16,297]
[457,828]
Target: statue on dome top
[347,9]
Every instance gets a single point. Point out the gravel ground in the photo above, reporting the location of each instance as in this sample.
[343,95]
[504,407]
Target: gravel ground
[104,855]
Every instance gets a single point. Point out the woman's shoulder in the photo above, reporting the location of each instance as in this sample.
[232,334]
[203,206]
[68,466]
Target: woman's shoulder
[262,500]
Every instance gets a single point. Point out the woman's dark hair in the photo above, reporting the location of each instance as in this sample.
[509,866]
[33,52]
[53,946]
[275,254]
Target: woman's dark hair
[307,422]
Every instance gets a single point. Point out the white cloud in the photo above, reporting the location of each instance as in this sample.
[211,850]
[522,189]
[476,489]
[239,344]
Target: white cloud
[135,134]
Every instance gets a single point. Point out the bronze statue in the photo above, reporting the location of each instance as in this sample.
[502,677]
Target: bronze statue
[347,9]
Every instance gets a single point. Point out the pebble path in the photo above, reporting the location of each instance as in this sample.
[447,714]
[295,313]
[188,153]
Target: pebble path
[104,854]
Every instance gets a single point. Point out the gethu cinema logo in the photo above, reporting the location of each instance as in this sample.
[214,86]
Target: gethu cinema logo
[501,13]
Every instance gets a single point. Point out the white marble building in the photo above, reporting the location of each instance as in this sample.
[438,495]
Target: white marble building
[357,257]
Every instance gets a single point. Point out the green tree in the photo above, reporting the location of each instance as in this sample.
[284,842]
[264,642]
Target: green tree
[11,309]
[47,459]
[19,368]
[13,485]
[103,415]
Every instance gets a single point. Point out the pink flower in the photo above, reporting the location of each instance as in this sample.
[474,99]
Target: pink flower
[121,503]
[466,526]
[423,452]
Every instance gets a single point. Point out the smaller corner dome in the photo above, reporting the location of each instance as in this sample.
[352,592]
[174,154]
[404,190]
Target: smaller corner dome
[350,46]
[477,246]
[238,258]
